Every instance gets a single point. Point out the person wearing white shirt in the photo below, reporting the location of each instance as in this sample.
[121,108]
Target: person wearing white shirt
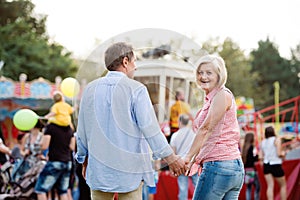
[181,142]
[272,157]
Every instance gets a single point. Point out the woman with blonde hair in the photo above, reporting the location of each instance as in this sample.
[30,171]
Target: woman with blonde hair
[215,148]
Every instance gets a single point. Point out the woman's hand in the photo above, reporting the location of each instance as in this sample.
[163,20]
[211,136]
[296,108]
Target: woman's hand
[188,163]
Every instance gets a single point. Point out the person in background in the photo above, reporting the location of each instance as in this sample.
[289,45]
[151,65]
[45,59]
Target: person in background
[249,160]
[60,142]
[4,152]
[31,150]
[84,190]
[181,142]
[116,126]
[178,108]
[33,140]
[215,148]
[272,158]
[148,191]
[60,112]
[17,152]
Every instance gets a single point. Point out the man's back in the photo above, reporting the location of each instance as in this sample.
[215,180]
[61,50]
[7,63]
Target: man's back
[121,121]
[59,147]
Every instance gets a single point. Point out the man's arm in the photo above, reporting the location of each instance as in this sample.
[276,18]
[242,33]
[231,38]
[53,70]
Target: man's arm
[45,142]
[72,144]
[4,148]
[147,122]
[84,166]
[49,115]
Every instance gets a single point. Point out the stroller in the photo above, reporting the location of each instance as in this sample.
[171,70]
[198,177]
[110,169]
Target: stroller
[5,176]
[21,184]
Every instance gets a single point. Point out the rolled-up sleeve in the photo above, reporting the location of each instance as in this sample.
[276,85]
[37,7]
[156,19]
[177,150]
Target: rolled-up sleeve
[82,151]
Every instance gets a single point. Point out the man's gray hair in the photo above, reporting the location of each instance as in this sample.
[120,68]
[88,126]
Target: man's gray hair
[115,54]
[184,119]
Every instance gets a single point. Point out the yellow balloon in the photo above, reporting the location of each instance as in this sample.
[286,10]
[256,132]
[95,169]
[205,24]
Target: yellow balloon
[70,87]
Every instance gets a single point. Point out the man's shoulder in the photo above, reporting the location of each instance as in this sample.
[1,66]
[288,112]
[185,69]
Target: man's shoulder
[184,103]
[175,104]
[90,86]
[130,84]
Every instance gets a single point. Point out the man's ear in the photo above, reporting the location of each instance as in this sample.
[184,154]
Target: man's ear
[125,61]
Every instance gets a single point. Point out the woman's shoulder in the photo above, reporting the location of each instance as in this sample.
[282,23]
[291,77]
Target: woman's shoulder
[224,96]
[27,136]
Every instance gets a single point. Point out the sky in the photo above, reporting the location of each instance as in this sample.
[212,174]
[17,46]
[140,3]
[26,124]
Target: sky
[81,25]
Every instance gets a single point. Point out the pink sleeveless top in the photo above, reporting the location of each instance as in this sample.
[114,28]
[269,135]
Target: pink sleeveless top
[223,142]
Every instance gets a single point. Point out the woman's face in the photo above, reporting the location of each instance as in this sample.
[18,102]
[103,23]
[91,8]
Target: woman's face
[207,78]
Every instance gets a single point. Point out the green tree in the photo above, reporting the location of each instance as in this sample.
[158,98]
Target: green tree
[25,46]
[295,68]
[271,67]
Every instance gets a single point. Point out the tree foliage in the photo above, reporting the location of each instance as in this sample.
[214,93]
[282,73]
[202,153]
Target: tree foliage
[271,67]
[295,67]
[255,76]
[25,47]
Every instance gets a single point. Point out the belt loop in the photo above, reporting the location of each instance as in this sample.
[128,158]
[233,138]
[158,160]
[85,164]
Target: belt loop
[239,162]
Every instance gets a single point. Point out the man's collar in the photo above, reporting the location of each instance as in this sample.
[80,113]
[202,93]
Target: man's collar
[115,73]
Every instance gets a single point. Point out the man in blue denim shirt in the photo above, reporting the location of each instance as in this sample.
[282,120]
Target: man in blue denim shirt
[116,127]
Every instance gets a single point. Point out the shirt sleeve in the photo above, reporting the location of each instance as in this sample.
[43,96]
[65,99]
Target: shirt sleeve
[187,108]
[149,126]
[173,140]
[80,135]
[54,108]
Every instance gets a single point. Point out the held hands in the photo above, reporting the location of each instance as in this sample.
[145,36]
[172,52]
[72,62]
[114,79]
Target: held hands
[176,165]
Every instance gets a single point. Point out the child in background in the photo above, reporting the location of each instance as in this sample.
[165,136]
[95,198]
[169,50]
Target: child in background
[60,112]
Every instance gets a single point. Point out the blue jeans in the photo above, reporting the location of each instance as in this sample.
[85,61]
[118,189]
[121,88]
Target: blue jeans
[183,184]
[257,188]
[220,180]
[54,173]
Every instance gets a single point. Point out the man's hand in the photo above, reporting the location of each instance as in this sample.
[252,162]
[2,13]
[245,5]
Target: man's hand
[176,164]
[84,166]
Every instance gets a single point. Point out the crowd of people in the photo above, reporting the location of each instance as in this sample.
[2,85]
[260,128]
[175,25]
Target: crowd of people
[118,139]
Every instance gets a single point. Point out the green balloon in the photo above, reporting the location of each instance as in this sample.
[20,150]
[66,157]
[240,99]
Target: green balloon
[25,119]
